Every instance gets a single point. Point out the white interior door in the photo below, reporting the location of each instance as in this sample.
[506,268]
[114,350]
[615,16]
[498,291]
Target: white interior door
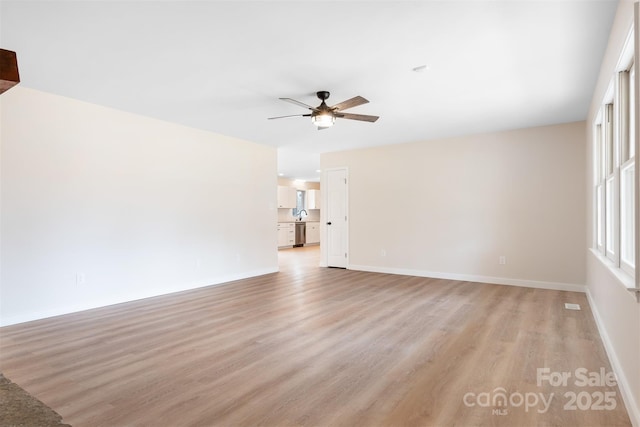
[336,218]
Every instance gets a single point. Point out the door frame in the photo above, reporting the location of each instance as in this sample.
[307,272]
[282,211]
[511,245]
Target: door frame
[324,255]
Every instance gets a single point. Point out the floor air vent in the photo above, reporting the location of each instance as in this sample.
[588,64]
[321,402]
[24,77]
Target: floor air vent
[570,306]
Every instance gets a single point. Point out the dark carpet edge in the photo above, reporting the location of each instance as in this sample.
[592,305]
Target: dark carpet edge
[19,409]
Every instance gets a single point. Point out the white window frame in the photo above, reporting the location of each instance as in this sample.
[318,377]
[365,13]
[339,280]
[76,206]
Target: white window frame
[627,170]
[627,216]
[610,145]
[615,170]
[598,196]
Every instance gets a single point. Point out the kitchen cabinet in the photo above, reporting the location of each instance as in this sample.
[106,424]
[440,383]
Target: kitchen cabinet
[286,234]
[313,199]
[313,232]
[286,197]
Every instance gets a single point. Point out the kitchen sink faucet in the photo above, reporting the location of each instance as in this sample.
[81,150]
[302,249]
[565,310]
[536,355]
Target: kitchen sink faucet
[300,214]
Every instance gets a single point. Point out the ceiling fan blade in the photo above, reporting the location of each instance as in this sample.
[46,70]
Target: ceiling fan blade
[288,117]
[361,117]
[349,103]
[302,104]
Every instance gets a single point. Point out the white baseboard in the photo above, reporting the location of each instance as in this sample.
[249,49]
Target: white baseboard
[220,280]
[571,287]
[623,384]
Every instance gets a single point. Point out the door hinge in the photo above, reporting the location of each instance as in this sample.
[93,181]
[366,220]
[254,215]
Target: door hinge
[345,180]
[345,255]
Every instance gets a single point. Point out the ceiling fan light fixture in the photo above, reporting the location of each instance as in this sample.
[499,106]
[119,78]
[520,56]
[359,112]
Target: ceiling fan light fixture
[324,116]
[323,120]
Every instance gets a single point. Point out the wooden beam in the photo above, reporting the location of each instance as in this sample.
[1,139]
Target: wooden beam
[9,76]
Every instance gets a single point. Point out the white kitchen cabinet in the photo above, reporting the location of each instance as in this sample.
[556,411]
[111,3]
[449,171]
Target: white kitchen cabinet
[286,197]
[313,232]
[282,236]
[313,199]
[286,234]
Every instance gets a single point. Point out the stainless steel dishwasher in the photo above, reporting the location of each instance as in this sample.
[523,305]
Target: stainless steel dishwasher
[301,234]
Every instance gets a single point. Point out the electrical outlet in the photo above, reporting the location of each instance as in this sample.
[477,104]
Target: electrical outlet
[502,260]
[80,279]
[383,252]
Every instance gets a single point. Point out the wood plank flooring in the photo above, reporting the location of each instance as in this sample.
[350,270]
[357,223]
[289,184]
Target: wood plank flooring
[314,346]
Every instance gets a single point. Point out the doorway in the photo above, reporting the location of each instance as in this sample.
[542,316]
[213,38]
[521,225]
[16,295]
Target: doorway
[336,221]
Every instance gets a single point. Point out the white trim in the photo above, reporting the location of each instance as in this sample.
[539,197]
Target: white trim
[625,266]
[636,142]
[611,216]
[571,287]
[609,95]
[627,54]
[622,277]
[348,211]
[623,384]
[28,317]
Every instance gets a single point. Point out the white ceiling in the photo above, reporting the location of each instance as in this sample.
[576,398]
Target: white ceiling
[222,65]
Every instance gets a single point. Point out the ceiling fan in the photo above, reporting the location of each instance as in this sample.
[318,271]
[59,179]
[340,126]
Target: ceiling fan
[324,116]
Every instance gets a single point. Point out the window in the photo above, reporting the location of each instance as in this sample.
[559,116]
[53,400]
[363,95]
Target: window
[300,198]
[627,218]
[599,196]
[600,218]
[609,157]
[627,171]
[614,174]
[632,112]
[609,219]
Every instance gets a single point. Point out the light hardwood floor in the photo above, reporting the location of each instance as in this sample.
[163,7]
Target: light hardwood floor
[313,346]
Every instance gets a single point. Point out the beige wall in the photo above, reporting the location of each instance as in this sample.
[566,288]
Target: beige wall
[616,309]
[451,208]
[136,206]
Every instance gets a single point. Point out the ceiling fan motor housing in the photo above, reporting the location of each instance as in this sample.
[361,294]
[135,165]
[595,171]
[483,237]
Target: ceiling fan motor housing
[323,95]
